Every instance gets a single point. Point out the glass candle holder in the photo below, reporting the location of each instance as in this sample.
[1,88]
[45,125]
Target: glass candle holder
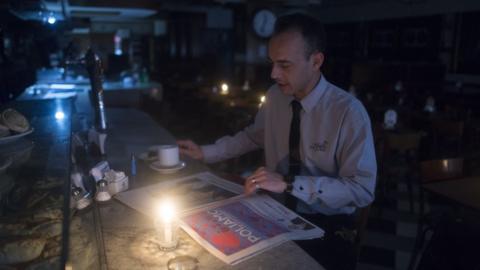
[167,233]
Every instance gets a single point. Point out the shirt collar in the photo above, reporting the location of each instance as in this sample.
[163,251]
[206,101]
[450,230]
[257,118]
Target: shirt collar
[312,98]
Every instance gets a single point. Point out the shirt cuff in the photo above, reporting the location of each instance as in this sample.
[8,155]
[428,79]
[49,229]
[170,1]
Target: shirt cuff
[306,188]
[210,153]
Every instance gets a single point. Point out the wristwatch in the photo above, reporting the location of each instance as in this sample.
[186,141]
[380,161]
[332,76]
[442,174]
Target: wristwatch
[289,181]
[289,188]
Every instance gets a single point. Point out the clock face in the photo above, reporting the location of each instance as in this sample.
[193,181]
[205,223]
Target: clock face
[264,23]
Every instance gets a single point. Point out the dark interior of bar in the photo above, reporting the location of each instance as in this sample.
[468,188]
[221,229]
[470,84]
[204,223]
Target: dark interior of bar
[240,134]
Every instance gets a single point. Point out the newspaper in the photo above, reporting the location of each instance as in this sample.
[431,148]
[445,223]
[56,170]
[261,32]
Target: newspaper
[238,228]
[197,190]
[230,226]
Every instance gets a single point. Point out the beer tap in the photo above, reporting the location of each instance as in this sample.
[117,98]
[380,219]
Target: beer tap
[94,67]
[95,71]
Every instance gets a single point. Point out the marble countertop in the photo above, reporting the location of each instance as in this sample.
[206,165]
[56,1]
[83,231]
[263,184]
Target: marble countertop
[33,186]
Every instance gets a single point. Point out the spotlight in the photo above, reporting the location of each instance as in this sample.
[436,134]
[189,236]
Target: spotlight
[51,19]
[59,115]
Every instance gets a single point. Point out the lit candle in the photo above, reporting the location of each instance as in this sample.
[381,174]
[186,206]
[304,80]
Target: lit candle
[224,88]
[262,100]
[167,226]
[167,219]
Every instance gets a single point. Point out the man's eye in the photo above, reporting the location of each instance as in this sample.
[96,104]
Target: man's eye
[284,65]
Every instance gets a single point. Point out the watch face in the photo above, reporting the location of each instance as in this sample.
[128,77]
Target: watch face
[264,22]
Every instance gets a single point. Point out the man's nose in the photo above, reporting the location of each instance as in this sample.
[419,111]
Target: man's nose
[274,73]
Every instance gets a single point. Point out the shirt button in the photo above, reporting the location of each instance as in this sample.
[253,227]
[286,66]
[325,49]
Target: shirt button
[319,191]
[301,188]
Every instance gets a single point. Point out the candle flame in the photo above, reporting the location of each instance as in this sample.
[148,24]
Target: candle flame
[224,88]
[166,210]
[262,99]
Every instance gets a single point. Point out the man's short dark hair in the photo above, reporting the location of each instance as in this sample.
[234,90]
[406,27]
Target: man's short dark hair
[311,29]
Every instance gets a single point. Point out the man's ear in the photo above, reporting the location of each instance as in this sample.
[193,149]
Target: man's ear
[318,58]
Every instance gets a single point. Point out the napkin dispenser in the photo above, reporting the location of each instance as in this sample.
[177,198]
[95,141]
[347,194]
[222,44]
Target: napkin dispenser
[117,181]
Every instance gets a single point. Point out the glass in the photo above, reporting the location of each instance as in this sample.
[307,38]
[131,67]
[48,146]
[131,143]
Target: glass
[182,263]
[167,233]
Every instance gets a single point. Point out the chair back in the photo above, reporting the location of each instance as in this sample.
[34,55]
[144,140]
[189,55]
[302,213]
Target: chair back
[449,128]
[441,169]
[403,142]
[361,227]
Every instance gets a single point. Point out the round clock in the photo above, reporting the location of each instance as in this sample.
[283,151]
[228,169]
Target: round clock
[264,23]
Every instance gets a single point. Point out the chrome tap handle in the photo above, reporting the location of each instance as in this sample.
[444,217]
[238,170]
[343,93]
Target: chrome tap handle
[95,71]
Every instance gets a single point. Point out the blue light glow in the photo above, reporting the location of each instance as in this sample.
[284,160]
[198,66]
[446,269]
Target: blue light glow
[62,86]
[59,115]
[51,19]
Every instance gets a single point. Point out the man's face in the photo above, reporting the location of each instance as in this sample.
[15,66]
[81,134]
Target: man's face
[294,72]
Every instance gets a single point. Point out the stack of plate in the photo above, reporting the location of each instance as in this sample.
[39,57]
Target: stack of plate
[13,125]
[14,121]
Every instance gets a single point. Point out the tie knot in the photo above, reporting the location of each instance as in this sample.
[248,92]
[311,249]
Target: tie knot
[296,106]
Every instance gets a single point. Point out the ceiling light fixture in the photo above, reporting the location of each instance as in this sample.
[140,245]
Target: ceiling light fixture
[51,19]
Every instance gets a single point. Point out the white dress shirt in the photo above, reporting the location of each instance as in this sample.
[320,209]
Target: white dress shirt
[338,171]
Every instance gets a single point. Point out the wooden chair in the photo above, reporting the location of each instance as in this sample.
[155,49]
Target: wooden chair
[432,171]
[441,169]
[401,153]
[403,142]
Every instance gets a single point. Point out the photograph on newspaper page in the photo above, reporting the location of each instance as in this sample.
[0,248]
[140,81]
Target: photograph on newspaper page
[238,228]
[190,192]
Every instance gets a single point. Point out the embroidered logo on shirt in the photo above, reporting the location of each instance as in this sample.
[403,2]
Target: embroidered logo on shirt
[315,147]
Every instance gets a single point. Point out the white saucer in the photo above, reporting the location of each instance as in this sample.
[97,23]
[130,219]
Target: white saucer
[165,170]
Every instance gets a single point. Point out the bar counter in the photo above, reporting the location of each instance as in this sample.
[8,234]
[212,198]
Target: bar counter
[33,183]
[127,234]
[117,94]
[107,235]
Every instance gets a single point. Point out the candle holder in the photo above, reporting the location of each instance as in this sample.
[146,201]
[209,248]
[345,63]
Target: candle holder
[167,233]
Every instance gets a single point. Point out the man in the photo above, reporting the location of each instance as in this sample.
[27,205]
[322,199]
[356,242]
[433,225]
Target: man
[317,140]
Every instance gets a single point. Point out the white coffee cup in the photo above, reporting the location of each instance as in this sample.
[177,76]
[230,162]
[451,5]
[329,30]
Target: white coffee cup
[168,155]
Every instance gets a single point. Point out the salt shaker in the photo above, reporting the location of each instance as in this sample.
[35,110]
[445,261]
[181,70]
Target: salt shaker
[102,191]
[80,199]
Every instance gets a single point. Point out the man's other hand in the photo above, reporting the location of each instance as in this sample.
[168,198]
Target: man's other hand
[191,149]
[262,178]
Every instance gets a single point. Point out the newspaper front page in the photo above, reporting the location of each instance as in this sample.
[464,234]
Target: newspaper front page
[230,226]
[238,228]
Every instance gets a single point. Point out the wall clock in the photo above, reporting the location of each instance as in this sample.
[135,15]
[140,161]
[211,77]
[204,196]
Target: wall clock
[264,23]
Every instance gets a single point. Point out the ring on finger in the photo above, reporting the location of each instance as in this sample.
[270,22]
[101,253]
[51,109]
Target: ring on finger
[257,186]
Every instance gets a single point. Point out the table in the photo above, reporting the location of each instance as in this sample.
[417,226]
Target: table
[126,234]
[464,191]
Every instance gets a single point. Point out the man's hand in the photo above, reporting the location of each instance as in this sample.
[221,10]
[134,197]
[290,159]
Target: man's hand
[191,149]
[265,179]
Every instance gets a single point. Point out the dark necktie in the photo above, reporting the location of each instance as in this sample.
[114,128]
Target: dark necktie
[294,161]
[294,140]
